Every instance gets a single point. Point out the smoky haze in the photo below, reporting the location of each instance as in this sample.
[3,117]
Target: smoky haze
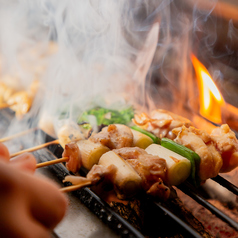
[104,52]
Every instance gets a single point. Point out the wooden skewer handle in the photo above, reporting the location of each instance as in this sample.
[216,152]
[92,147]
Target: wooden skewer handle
[54,142]
[51,162]
[75,187]
[18,134]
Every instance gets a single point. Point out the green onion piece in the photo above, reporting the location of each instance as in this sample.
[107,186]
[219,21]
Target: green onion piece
[108,116]
[187,153]
[155,139]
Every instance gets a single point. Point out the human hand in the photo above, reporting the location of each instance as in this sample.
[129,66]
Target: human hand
[30,206]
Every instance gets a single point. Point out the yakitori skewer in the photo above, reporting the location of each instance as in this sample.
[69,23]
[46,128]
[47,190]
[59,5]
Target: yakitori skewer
[54,142]
[18,134]
[51,162]
[75,187]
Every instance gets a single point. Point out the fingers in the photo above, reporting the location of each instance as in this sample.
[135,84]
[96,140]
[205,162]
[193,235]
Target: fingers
[16,220]
[4,153]
[48,204]
[21,225]
[38,197]
[25,161]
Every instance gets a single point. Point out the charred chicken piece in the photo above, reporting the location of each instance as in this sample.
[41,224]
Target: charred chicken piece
[99,172]
[114,136]
[83,153]
[95,175]
[227,145]
[201,142]
[152,169]
[72,152]
[161,122]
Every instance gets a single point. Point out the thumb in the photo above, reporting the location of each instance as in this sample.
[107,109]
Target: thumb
[25,161]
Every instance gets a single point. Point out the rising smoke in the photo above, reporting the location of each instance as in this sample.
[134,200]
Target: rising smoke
[103,52]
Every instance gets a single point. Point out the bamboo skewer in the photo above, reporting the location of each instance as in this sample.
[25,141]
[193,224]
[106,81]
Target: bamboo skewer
[18,134]
[54,142]
[75,187]
[51,162]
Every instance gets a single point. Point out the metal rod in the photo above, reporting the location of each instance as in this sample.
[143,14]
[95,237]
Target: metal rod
[226,184]
[189,191]
[179,221]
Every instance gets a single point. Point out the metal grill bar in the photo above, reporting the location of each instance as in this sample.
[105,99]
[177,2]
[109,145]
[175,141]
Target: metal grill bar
[186,188]
[184,225]
[228,185]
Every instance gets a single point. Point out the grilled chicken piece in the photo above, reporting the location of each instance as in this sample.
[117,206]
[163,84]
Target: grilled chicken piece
[21,101]
[227,145]
[114,136]
[98,172]
[160,122]
[75,161]
[201,142]
[95,175]
[151,169]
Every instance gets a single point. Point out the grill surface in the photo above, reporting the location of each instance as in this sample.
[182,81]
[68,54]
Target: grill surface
[186,229]
[160,213]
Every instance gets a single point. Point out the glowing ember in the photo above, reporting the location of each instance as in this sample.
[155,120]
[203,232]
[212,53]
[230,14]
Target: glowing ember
[210,98]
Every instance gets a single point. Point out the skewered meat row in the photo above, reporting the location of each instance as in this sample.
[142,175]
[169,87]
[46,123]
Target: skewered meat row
[130,169]
[112,137]
[218,153]
[135,168]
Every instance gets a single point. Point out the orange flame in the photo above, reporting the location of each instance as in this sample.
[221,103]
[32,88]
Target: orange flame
[210,98]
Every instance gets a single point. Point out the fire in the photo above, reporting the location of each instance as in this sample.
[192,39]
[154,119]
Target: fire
[211,100]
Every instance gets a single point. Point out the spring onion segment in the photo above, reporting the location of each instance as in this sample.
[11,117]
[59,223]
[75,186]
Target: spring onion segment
[106,116]
[126,180]
[155,139]
[91,152]
[187,153]
[178,167]
[141,140]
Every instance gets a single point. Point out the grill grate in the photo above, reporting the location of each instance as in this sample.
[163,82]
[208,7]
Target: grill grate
[184,225]
[189,190]
[186,188]
[106,213]
[228,185]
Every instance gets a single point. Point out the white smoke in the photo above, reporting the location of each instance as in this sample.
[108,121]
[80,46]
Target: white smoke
[101,51]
